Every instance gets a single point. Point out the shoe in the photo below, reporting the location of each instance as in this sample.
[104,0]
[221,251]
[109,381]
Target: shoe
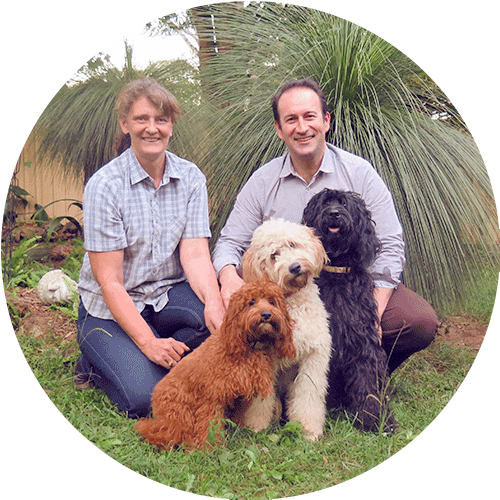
[83,379]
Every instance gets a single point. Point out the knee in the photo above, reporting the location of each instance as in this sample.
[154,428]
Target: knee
[425,327]
[135,406]
[139,410]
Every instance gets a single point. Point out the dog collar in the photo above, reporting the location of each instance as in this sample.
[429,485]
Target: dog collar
[335,269]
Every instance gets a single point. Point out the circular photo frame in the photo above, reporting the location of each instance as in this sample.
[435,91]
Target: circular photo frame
[361,117]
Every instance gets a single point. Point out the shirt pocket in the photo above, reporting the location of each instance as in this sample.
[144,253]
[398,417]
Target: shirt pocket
[173,231]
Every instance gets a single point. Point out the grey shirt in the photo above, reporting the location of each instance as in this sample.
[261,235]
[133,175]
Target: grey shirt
[276,190]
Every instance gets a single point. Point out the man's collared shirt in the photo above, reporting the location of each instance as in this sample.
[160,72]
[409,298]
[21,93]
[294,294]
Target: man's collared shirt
[276,190]
[123,210]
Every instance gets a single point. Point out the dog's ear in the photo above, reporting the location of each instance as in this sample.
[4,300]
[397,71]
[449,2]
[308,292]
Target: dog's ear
[320,257]
[231,330]
[250,271]
[285,348]
[368,245]
[309,211]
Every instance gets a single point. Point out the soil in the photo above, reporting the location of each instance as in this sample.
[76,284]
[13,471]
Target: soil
[30,317]
[41,321]
[463,332]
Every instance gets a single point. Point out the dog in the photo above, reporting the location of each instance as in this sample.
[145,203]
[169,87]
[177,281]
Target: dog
[234,364]
[291,255]
[358,377]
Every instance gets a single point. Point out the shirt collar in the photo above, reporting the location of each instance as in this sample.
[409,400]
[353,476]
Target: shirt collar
[327,164]
[138,174]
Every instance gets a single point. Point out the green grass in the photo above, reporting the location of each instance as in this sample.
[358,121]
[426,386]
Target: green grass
[272,464]
[278,462]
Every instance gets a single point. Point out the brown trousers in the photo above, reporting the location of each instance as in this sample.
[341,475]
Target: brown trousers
[409,324]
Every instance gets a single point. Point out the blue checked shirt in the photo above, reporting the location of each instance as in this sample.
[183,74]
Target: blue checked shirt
[122,209]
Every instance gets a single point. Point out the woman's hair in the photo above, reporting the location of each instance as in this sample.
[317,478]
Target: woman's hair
[158,95]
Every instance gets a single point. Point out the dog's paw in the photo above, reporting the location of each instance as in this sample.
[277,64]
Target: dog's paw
[313,436]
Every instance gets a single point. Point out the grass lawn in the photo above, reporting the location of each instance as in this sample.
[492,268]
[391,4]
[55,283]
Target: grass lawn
[272,464]
[276,463]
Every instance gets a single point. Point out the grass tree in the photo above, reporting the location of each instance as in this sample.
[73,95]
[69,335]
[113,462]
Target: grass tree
[79,126]
[383,108]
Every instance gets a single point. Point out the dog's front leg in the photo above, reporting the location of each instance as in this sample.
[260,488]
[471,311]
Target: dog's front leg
[260,412]
[307,394]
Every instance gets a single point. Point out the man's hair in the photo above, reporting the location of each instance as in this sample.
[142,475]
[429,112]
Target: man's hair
[308,83]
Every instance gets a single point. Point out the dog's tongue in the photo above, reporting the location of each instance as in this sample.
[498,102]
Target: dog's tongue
[334,229]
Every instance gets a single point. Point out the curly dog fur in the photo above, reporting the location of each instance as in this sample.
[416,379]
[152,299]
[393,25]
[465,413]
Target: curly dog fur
[358,369]
[235,363]
[291,255]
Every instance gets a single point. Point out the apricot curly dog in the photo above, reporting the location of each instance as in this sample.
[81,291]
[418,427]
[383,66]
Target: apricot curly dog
[234,365]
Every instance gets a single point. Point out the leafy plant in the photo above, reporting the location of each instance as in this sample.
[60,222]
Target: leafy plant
[16,269]
[15,196]
[41,214]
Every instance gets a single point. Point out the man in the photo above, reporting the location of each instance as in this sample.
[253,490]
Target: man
[282,188]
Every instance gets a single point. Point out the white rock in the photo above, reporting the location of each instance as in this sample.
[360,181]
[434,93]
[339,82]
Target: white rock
[55,287]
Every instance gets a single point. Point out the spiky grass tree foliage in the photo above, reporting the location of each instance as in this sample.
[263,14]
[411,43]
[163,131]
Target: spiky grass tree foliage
[79,126]
[435,172]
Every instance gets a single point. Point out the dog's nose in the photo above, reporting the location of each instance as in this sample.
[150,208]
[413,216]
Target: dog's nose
[266,315]
[334,210]
[294,268]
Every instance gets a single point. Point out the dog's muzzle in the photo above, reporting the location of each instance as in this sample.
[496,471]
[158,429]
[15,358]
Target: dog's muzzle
[266,331]
[334,219]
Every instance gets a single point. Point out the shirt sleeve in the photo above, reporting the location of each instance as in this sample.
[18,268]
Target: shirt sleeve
[102,219]
[236,235]
[388,266]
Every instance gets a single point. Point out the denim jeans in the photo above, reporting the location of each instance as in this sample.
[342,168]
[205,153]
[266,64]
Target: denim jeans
[118,367]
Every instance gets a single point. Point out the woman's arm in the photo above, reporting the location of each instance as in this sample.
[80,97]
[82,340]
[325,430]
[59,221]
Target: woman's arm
[195,260]
[107,268]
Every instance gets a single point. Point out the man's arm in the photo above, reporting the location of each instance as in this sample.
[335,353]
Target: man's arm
[382,296]
[235,238]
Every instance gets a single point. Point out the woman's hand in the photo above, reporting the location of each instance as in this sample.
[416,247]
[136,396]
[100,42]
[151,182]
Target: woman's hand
[164,352]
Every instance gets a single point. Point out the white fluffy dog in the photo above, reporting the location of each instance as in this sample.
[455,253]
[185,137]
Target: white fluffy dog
[291,255]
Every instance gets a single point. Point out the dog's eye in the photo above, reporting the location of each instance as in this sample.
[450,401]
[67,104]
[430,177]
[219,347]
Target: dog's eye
[274,255]
[252,302]
[271,301]
[291,244]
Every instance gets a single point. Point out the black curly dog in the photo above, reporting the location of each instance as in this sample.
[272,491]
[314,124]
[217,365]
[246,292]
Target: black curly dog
[358,366]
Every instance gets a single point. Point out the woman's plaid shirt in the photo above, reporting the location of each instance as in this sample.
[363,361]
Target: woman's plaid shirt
[122,209]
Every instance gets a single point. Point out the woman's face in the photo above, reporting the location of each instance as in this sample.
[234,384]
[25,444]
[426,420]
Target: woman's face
[149,129]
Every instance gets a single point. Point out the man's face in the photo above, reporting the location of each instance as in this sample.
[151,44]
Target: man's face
[302,125]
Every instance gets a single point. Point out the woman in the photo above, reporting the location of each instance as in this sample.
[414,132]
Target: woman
[146,231]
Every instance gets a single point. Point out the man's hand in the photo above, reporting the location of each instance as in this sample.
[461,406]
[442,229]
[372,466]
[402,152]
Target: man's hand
[230,282]
[382,296]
